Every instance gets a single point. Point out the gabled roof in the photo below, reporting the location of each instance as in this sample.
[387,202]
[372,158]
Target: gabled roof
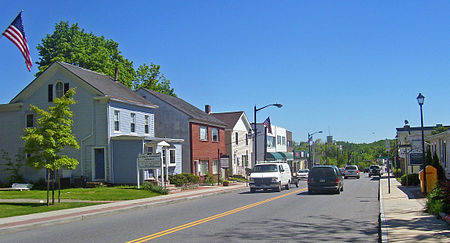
[229,118]
[102,83]
[188,109]
[105,84]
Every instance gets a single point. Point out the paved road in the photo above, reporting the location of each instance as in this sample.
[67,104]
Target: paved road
[291,215]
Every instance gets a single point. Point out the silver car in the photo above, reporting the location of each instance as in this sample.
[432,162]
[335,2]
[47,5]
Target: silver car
[351,171]
[302,174]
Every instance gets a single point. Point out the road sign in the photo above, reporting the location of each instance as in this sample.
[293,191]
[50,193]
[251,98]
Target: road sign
[149,161]
[415,158]
[224,162]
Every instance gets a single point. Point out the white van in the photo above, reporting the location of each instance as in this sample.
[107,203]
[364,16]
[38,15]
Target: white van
[270,176]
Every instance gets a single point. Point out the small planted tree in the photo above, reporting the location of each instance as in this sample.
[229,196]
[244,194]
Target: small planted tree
[52,134]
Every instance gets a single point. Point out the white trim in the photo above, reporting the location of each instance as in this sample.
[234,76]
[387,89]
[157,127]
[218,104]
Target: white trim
[93,162]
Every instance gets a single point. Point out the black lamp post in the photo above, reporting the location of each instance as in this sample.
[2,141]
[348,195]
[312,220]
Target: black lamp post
[310,138]
[420,100]
[254,120]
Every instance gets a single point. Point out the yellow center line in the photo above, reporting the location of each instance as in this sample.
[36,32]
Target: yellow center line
[204,220]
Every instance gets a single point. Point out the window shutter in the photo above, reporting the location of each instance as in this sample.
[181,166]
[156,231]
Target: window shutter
[50,92]
[66,87]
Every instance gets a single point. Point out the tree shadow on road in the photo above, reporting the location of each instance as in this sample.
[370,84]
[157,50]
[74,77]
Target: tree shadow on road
[318,228]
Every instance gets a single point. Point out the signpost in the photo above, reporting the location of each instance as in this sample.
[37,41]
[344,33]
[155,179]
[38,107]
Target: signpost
[415,158]
[148,161]
[388,148]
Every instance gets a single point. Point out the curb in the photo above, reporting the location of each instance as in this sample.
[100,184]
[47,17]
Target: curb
[87,214]
[382,219]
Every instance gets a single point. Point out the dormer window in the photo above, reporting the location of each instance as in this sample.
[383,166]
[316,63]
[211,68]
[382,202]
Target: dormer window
[57,90]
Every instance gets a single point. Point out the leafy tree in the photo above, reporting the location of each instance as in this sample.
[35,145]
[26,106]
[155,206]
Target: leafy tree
[439,130]
[13,167]
[52,134]
[150,77]
[70,44]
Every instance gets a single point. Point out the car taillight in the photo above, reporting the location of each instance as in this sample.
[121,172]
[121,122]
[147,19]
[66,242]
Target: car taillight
[336,180]
[308,181]
[345,171]
[357,171]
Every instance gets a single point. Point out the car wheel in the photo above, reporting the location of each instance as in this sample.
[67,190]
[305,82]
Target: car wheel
[296,184]
[345,177]
[278,189]
[338,191]
[287,186]
[342,188]
[369,175]
[252,190]
[310,192]
[357,177]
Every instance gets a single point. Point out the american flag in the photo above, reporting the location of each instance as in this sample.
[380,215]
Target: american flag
[267,124]
[16,34]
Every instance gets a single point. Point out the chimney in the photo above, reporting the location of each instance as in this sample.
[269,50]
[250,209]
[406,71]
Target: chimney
[116,76]
[208,109]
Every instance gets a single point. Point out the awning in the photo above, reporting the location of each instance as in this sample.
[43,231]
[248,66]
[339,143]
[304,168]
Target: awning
[287,155]
[273,156]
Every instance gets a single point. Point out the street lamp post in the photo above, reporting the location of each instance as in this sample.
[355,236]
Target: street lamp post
[255,128]
[310,138]
[420,100]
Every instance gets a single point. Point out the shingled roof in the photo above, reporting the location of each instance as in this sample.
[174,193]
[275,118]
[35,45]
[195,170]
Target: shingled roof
[106,84]
[230,118]
[190,110]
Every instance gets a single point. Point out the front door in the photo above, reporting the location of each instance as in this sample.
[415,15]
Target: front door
[99,164]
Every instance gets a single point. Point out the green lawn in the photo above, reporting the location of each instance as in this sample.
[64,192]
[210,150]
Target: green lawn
[16,209]
[94,194]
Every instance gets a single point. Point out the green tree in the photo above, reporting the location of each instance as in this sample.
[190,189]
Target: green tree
[150,77]
[70,44]
[52,134]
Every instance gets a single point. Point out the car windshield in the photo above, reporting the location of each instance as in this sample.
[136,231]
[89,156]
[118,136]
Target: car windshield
[350,168]
[374,167]
[303,171]
[322,172]
[265,168]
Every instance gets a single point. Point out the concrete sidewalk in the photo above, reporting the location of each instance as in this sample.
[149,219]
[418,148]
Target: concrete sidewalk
[18,223]
[403,216]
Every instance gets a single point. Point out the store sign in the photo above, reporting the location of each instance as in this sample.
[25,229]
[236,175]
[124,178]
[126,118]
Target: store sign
[224,162]
[149,161]
[415,158]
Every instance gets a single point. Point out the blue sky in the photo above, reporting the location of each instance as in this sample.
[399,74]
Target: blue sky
[349,68]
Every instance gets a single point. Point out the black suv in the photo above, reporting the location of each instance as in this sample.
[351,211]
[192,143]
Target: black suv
[375,170]
[325,178]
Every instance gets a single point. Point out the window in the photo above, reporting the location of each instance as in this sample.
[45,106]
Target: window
[283,140]
[203,133]
[50,93]
[116,120]
[59,89]
[270,141]
[146,124]
[278,139]
[29,120]
[246,139]
[133,122]
[172,156]
[245,160]
[236,137]
[215,135]
[215,167]
[164,157]
[204,167]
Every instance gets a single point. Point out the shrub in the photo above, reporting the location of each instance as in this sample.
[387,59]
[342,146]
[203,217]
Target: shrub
[413,180]
[225,183]
[184,179]
[436,202]
[234,178]
[209,179]
[154,188]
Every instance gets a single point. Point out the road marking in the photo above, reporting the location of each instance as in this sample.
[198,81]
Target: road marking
[204,220]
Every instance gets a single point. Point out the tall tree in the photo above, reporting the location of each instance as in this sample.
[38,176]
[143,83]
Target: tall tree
[52,134]
[70,44]
[150,77]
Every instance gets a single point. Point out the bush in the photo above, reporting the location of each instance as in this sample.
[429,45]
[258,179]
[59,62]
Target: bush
[209,179]
[234,178]
[436,203]
[413,180]
[154,188]
[184,179]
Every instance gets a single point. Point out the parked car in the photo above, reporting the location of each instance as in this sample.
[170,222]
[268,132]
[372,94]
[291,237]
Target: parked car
[341,170]
[303,174]
[325,178]
[375,170]
[270,176]
[351,171]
